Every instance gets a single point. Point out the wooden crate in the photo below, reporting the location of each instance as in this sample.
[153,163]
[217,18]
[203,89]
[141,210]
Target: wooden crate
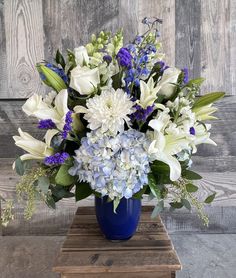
[86,253]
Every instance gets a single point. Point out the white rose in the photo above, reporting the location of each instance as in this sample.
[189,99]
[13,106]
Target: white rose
[84,80]
[170,75]
[81,56]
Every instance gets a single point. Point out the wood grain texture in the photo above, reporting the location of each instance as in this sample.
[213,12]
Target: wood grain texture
[51,27]
[24,47]
[164,9]
[98,255]
[82,18]
[3,58]
[215,46]
[187,36]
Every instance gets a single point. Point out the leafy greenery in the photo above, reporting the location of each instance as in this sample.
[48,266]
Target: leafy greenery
[82,191]
[63,177]
[210,198]
[208,99]
[22,166]
[52,79]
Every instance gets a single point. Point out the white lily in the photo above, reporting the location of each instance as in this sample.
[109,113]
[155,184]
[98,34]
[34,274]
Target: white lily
[36,149]
[148,93]
[164,147]
[169,76]
[37,107]
[204,113]
[202,136]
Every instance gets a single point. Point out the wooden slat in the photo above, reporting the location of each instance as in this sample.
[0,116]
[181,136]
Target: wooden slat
[114,261]
[159,274]
[187,36]
[51,27]
[215,46]
[95,254]
[24,47]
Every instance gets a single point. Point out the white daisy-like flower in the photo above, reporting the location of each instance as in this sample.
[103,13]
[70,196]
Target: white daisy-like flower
[107,112]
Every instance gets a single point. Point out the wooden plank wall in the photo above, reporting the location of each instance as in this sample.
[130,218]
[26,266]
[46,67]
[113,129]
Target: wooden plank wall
[199,34]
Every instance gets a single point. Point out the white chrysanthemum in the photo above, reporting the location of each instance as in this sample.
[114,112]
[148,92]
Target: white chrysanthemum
[108,111]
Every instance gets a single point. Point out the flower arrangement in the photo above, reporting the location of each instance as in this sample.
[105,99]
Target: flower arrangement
[118,122]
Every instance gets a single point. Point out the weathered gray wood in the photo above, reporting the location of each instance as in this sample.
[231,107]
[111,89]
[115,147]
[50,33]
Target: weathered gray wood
[79,19]
[164,9]
[51,27]
[3,68]
[129,18]
[187,36]
[215,46]
[97,255]
[24,47]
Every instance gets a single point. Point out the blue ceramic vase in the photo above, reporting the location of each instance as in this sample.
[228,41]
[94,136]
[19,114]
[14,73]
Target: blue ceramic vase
[122,224]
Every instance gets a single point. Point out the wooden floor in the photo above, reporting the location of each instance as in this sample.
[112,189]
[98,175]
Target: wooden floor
[202,255]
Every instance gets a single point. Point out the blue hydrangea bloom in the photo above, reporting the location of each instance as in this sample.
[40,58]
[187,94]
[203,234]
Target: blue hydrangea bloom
[114,166]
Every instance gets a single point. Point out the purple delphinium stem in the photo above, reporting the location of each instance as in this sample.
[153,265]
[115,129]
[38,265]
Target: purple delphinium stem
[124,58]
[141,114]
[186,77]
[67,127]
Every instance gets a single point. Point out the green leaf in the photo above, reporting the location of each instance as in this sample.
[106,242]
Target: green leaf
[153,186]
[52,79]
[43,184]
[50,202]
[190,175]
[60,59]
[60,192]
[191,187]
[140,193]
[196,82]
[176,205]
[208,99]
[158,208]
[210,198]
[63,177]
[82,191]
[22,166]
[186,203]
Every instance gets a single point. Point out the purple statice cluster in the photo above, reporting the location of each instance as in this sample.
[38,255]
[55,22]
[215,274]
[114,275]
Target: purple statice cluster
[56,159]
[46,124]
[141,114]
[68,125]
[57,70]
[186,77]
[124,58]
